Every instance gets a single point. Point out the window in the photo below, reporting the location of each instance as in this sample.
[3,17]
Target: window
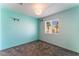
[52,26]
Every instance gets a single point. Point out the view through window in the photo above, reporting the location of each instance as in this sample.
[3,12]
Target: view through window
[52,26]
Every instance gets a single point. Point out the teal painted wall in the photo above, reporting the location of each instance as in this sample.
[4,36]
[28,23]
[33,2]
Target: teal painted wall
[0,28]
[16,33]
[69,32]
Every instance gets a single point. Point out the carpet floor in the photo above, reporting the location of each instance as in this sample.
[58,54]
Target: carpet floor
[37,48]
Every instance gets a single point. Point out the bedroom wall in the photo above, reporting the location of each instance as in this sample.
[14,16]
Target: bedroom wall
[68,37]
[17,32]
[0,28]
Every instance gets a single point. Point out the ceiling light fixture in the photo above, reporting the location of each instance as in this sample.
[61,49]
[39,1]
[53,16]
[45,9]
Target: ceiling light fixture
[39,8]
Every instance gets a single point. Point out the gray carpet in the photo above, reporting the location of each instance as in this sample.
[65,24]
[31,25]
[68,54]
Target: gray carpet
[37,48]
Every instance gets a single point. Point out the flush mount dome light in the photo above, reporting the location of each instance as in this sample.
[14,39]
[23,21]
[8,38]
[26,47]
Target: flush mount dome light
[39,8]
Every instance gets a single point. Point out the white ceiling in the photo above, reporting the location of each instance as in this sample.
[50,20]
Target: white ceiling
[51,8]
